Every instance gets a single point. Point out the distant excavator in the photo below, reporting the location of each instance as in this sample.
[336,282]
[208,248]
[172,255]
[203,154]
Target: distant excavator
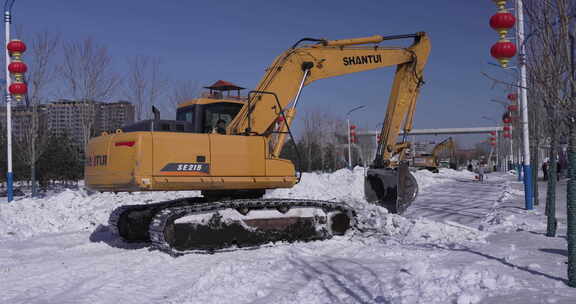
[430,160]
[228,147]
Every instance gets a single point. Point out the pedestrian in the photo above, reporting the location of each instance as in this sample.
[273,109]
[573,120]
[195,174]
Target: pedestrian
[470,167]
[481,173]
[545,170]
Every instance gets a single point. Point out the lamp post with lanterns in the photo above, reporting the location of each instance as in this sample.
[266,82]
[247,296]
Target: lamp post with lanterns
[503,51]
[16,88]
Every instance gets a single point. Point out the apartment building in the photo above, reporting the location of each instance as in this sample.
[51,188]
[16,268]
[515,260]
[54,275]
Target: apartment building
[72,118]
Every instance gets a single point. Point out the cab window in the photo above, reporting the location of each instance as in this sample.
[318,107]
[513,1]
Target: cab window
[219,111]
[186,114]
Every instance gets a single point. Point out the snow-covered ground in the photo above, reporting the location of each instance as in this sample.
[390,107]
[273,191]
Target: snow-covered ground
[460,242]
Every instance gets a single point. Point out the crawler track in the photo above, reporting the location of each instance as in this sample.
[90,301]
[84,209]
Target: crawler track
[157,223]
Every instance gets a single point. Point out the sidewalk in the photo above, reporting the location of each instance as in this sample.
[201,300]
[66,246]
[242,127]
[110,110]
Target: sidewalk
[466,202]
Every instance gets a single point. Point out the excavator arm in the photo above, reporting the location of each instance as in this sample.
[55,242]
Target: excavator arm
[446,145]
[277,92]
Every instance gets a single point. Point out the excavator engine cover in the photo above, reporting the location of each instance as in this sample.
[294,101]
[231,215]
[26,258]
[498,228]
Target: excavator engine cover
[393,189]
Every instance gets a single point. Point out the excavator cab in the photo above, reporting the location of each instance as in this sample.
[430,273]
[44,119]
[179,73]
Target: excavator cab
[204,113]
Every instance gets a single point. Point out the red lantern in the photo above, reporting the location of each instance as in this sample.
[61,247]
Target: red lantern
[18,88]
[506,128]
[503,50]
[16,46]
[512,96]
[502,22]
[17,67]
[352,127]
[493,133]
[507,135]
[507,120]
[512,108]
[493,138]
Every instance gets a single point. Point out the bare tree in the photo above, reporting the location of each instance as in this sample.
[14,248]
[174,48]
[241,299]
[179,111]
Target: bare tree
[40,75]
[88,76]
[551,50]
[322,140]
[180,91]
[145,83]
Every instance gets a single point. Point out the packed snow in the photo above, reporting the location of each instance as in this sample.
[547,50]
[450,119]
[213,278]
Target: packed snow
[461,241]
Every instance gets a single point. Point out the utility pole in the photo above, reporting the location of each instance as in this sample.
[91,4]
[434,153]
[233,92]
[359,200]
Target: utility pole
[528,196]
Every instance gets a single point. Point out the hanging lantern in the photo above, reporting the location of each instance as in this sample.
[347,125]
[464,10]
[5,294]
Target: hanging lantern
[506,128]
[500,3]
[502,22]
[507,135]
[503,50]
[512,97]
[17,67]
[18,90]
[16,47]
[512,108]
[493,133]
[507,120]
[352,127]
[493,138]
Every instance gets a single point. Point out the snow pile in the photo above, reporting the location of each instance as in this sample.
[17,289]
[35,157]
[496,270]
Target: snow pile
[70,210]
[343,185]
[348,185]
[377,222]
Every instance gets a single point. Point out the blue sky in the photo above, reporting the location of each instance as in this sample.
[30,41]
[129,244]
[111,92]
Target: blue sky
[205,41]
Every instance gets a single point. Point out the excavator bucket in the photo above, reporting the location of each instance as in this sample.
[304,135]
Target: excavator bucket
[393,189]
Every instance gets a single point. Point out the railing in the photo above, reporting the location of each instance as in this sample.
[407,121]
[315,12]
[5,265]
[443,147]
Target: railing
[222,96]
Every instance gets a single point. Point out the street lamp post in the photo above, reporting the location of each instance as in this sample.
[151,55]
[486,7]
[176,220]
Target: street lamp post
[529,204]
[348,130]
[9,174]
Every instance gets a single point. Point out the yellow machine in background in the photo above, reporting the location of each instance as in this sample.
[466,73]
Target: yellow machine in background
[431,160]
[234,167]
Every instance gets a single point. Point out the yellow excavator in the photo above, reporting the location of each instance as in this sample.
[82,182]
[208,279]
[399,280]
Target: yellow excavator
[229,148]
[431,160]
